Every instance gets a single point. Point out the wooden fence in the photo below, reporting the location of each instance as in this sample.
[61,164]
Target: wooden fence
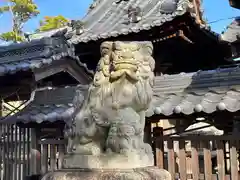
[15,152]
[199,157]
[189,157]
[21,156]
[52,152]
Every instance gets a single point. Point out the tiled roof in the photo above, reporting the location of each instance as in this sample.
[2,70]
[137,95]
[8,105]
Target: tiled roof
[111,18]
[28,64]
[45,33]
[48,105]
[35,54]
[232,32]
[187,93]
[203,91]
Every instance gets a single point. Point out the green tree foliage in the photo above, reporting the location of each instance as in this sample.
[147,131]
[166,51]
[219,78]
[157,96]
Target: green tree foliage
[11,36]
[21,11]
[52,22]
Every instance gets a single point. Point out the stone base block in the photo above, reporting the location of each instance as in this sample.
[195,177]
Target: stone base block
[108,161]
[148,173]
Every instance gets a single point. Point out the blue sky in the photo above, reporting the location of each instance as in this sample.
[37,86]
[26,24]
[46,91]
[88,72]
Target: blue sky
[75,9]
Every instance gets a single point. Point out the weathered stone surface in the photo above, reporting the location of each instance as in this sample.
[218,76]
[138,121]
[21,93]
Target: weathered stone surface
[105,137]
[108,126]
[107,161]
[148,173]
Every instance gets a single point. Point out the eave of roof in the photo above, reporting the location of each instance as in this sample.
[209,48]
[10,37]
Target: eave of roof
[185,93]
[29,64]
[28,56]
[110,17]
[199,92]
[48,105]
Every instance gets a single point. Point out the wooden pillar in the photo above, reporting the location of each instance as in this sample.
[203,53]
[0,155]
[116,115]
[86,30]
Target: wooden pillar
[159,146]
[234,160]
[148,133]
[35,160]
[1,108]
[1,146]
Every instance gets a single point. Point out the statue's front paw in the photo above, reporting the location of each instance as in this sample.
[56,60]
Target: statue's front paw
[147,148]
[83,149]
[109,151]
[125,151]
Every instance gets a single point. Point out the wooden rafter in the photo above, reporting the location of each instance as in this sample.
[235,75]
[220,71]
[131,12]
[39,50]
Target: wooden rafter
[182,35]
[65,65]
[179,33]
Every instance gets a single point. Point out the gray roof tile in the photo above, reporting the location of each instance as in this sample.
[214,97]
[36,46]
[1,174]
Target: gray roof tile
[187,93]
[190,102]
[203,91]
[48,105]
[232,32]
[31,64]
[110,17]
[35,54]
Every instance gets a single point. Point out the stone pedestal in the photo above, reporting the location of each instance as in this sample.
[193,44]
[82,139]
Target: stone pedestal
[148,173]
[108,161]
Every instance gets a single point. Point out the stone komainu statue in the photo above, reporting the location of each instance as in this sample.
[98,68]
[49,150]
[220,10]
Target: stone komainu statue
[111,118]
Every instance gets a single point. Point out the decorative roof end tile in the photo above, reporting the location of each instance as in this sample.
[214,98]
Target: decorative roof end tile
[177,109]
[134,14]
[77,26]
[221,106]
[182,5]
[158,110]
[168,6]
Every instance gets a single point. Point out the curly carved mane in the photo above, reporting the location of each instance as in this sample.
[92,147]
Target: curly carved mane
[124,76]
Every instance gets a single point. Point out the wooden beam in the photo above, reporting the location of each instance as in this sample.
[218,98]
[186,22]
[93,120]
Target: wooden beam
[182,35]
[165,37]
[64,65]
[35,152]
[159,145]
[78,73]
[177,33]
[46,71]
[1,108]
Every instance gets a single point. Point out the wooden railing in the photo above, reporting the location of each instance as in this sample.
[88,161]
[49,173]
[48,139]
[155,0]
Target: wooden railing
[21,155]
[15,152]
[189,157]
[52,152]
[199,157]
